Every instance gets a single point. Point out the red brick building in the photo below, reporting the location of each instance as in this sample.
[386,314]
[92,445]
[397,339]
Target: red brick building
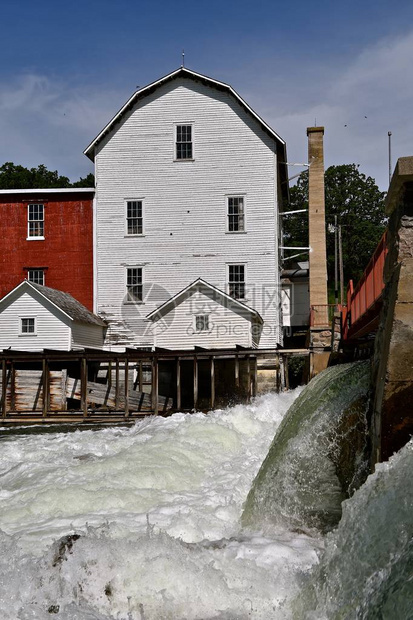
[47,238]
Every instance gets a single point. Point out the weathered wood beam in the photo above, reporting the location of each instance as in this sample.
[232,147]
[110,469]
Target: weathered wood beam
[236,366]
[155,400]
[178,384]
[212,370]
[195,382]
[248,379]
[83,383]
[45,387]
[126,386]
[4,389]
[117,386]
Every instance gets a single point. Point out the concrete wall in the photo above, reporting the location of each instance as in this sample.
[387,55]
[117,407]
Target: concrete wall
[392,375]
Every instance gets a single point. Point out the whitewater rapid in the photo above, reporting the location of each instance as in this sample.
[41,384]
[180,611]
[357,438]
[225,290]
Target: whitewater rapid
[157,509]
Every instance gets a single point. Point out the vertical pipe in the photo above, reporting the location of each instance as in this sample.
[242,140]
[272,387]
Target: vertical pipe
[212,364]
[195,383]
[140,371]
[126,386]
[178,384]
[4,389]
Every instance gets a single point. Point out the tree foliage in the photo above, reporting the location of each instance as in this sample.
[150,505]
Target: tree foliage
[359,206]
[18,177]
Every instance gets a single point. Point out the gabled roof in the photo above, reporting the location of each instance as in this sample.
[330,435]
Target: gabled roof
[187,73]
[210,291]
[64,302]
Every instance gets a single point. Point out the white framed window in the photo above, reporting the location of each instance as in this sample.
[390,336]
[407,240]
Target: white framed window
[202,323]
[134,284]
[236,281]
[184,142]
[27,326]
[235,214]
[36,276]
[134,217]
[35,221]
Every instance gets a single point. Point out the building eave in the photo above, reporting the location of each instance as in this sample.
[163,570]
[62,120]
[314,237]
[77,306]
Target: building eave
[177,299]
[49,190]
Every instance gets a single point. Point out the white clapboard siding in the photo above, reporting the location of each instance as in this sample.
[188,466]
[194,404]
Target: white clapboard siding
[226,328]
[185,206]
[87,336]
[53,330]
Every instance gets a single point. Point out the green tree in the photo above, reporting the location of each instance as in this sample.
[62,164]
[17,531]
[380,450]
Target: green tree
[359,206]
[14,176]
[87,181]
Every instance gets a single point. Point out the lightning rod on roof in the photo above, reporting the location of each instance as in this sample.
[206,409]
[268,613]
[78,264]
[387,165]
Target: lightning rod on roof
[183,58]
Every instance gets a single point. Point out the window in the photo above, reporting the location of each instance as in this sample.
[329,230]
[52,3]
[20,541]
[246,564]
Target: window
[134,217]
[184,142]
[236,281]
[36,276]
[28,326]
[236,214]
[35,221]
[134,286]
[202,323]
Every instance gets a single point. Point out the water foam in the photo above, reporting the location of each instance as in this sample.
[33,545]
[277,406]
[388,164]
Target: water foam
[157,508]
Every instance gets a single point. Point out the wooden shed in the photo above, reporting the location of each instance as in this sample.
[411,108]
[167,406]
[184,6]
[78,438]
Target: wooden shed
[35,317]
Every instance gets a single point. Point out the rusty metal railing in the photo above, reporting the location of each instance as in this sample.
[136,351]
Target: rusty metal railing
[363,300]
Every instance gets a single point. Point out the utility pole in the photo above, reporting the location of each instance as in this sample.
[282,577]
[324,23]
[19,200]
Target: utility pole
[335,261]
[389,135]
[340,256]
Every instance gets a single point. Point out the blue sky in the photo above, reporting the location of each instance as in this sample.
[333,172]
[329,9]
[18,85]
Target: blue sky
[67,67]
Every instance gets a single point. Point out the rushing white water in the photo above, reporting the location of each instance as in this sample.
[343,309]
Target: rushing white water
[158,508]
[144,523]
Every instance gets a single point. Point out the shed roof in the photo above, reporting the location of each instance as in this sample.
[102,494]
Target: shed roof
[67,304]
[211,291]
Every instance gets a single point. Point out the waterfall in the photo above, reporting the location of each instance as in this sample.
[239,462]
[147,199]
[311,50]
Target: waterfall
[318,456]
[144,523]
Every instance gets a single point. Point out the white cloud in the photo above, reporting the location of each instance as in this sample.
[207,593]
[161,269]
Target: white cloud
[357,107]
[44,120]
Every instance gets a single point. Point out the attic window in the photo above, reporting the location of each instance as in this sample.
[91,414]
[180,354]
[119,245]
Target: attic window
[202,323]
[27,326]
[184,142]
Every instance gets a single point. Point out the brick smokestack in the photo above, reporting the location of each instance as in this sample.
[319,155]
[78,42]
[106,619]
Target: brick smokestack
[317,220]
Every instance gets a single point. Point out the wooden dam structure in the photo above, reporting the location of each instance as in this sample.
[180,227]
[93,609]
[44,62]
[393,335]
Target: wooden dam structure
[99,386]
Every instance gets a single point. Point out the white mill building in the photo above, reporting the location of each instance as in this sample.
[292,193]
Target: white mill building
[189,185]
